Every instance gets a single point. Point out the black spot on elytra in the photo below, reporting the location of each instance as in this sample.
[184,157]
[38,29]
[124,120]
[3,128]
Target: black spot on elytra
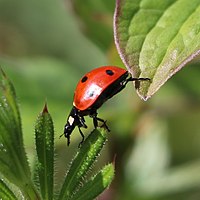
[109,72]
[84,79]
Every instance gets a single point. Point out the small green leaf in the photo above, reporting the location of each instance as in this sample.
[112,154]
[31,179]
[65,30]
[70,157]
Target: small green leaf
[44,132]
[156,38]
[82,162]
[13,162]
[96,185]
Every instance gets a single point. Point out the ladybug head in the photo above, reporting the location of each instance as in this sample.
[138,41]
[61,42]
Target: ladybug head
[73,120]
[68,130]
[70,125]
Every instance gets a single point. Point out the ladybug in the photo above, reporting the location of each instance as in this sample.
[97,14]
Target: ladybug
[94,88]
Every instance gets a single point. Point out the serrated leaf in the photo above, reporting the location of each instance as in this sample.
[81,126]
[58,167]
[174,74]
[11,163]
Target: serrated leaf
[44,132]
[156,38]
[13,161]
[96,185]
[82,162]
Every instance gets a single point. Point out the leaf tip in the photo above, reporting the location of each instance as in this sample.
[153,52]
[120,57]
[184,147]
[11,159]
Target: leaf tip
[45,109]
[144,97]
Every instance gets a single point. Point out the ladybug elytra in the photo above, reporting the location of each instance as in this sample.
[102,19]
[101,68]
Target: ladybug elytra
[96,87]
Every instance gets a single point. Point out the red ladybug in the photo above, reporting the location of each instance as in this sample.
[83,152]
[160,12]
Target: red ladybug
[96,87]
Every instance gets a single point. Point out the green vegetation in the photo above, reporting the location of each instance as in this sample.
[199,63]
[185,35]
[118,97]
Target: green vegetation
[46,46]
[14,166]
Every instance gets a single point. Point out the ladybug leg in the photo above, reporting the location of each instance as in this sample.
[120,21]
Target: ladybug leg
[95,122]
[83,137]
[82,122]
[104,123]
[96,119]
[68,140]
[67,135]
[136,79]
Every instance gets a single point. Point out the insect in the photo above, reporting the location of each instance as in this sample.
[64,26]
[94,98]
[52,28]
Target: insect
[93,89]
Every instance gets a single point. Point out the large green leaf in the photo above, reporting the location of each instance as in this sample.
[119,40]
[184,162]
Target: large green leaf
[13,162]
[155,39]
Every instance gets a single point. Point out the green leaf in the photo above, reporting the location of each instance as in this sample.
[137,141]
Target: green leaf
[155,39]
[82,162]
[96,185]
[5,192]
[13,161]
[44,132]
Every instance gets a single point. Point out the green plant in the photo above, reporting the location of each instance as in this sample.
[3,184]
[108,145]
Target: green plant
[156,39]
[15,173]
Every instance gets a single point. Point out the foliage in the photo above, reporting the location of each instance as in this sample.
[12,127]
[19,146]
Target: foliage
[47,46]
[161,45]
[15,170]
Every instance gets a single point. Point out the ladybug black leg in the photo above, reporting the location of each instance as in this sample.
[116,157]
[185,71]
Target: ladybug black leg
[68,140]
[83,137]
[136,79]
[104,123]
[95,122]
[67,135]
[82,122]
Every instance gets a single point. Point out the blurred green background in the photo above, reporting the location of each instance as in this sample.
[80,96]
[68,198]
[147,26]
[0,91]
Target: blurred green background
[46,46]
